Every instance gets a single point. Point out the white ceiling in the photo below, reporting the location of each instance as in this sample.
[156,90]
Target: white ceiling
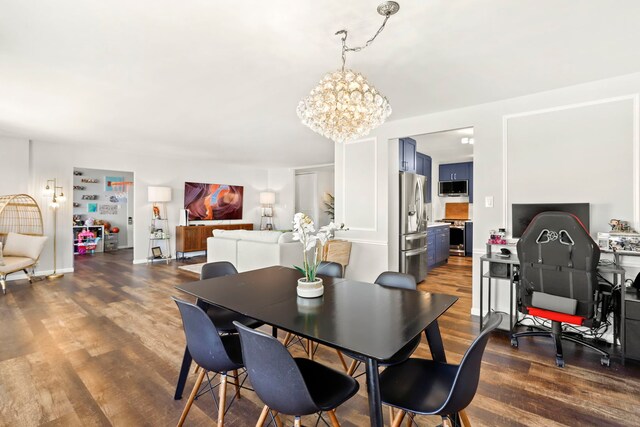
[446,146]
[224,78]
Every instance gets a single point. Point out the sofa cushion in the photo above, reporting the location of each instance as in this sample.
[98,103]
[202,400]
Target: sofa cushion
[254,236]
[15,263]
[1,258]
[22,245]
[286,237]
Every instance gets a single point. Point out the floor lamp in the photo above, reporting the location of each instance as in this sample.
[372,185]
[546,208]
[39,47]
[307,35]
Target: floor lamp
[57,196]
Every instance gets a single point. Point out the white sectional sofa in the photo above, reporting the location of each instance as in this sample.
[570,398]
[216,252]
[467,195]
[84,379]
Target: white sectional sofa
[250,250]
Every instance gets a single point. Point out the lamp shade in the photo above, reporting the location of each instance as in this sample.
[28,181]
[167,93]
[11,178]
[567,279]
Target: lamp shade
[159,194]
[267,198]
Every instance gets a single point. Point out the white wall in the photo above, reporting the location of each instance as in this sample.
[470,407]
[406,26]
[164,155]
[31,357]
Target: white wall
[14,165]
[282,182]
[490,123]
[49,160]
[120,218]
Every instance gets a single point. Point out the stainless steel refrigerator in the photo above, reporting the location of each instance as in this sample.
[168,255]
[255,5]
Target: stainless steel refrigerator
[413,226]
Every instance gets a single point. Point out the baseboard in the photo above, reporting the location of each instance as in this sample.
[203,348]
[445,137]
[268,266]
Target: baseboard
[39,273]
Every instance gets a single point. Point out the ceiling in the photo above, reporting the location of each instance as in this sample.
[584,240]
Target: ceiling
[446,146]
[223,79]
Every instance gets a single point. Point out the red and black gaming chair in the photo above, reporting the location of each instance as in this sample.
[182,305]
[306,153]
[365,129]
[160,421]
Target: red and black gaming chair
[558,278]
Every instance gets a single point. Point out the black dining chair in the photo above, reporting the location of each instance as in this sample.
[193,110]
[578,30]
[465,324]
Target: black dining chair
[292,386]
[390,279]
[221,317]
[212,352]
[329,269]
[427,387]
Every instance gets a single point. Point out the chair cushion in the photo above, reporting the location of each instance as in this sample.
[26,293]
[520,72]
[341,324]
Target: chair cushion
[417,385]
[223,319]
[403,354]
[554,315]
[328,388]
[14,263]
[22,245]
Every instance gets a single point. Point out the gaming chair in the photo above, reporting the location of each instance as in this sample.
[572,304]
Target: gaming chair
[558,279]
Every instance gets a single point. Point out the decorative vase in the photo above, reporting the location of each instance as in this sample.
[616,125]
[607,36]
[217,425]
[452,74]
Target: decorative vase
[307,289]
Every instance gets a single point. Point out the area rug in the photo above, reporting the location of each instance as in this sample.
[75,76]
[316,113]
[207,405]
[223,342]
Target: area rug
[192,268]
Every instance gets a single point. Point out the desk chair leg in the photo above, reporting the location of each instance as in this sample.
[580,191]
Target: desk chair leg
[222,401]
[397,421]
[237,383]
[263,416]
[296,422]
[465,419]
[333,419]
[344,364]
[194,392]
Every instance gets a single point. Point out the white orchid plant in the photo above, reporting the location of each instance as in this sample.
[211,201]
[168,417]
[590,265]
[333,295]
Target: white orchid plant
[312,242]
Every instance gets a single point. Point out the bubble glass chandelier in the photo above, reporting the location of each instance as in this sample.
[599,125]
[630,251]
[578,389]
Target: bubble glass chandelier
[344,106]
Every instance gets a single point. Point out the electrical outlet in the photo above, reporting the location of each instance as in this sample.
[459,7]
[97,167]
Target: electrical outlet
[488,202]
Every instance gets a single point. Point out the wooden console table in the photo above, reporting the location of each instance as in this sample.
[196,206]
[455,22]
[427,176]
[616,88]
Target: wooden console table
[193,238]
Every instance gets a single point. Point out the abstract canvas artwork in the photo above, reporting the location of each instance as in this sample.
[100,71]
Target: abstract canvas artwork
[109,179]
[213,201]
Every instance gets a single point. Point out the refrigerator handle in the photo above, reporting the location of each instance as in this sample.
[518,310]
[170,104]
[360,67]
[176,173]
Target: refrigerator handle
[421,215]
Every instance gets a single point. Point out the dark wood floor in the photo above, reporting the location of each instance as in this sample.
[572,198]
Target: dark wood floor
[103,346]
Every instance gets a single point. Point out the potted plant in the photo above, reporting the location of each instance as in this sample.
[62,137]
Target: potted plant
[312,241]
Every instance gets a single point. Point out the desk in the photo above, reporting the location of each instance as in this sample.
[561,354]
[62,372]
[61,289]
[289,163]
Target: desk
[350,316]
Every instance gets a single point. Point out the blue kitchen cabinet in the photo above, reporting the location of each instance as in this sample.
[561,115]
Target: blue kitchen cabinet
[407,154]
[468,238]
[454,171]
[437,246]
[423,167]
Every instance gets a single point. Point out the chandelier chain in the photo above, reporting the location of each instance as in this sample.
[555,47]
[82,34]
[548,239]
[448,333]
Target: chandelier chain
[346,48]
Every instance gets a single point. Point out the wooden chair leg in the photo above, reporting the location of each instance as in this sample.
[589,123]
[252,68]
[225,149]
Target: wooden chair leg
[296,422]
[409,420]
[222,400]
[446,422]
[333,418]
[263,416]
[197,368]
[192,396]
[341,357]
[397,421]
[391,414]
[237,383]
[287,339]
[276,416]
[310,349]
[352,367]
[464,418]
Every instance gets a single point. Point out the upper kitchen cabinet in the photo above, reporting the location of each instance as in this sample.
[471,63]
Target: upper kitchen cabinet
[455,171]
[407,155]
[458,172]
[423,167]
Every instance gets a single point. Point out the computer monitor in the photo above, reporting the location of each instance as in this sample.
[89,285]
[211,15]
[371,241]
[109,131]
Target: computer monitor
[523,213]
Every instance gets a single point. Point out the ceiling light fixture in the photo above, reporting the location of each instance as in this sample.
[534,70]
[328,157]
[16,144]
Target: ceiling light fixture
[344,105]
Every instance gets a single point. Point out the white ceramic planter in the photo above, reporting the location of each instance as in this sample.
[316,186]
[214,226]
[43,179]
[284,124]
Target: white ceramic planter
[307,289]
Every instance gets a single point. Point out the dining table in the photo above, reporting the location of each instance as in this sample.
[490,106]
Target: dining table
[364,318]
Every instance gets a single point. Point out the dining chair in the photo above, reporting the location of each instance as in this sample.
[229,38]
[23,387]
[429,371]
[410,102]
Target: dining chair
[427,387]
[221,317]
[329,269]
[292,386]
[212,352]
[390,279]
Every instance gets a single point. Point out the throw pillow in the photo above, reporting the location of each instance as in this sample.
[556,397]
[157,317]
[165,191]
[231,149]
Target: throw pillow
[24,245]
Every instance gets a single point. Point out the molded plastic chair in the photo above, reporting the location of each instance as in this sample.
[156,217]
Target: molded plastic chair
[427,387]
[391,279]
[221,317]
[211,351]
[288,385]
[331,269]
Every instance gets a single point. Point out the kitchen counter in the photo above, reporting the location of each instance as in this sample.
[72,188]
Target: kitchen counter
[437,224]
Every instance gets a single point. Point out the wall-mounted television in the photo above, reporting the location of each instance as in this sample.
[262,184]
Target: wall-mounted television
[213,201]
[523,213]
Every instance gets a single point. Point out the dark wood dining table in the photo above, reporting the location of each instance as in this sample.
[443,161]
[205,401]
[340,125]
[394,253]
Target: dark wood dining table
[371,320]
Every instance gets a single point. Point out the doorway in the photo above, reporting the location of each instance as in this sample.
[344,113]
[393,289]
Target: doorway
[102,212]
[314,193]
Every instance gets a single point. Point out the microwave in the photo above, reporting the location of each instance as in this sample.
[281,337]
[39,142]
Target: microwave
[453,188]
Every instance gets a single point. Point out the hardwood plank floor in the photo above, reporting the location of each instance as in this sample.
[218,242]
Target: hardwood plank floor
[103,346]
